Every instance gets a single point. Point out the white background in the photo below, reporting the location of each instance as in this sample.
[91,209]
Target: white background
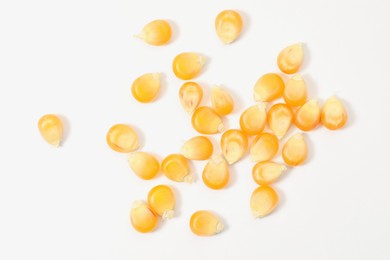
[77,58]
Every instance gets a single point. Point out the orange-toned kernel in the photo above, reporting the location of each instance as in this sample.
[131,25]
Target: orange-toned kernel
[222,101]
[206,121]
[145,165]
[263,201]
[264,173]
[146,87]
[268,87]
[295,93]
[162,200]
[234,144]
[157,32]
[197,148]
[253,119]
[333,114]
[142,217]
[307,117]
[187,65]
[205,223]
[280,118]
[228,26]
[50,127]
[176,168]
[290,58]
[294,151]
[264,147]
[190,95]
[216,173]
[122,138]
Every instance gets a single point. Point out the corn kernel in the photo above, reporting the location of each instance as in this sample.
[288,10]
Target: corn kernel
[222,101]
[253,119]
[263,201]
[157,32]
[145,165]
[146,87]
[268,87]
[162,200]
[216,173]
[228,26]
[307,117]
[205,223]
[176,168]
[142,217]
[187,65]
[122,138]
[280,118]
[290,58]
[294,151]
[264,147]
[197,148]
[264,173]
[295,93]
[50,127]
[206,121]
[190,95]
[333,114]
[234,144]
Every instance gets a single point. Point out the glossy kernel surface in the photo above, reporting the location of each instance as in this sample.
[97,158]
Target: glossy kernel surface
[290,58]
[263,201]
[145,165]
[228,25]
[205,223]
[221,101]
[280,118]
[294,151]
[234,144]
[162,200]
[190,95]
[176,168]
[268,87]
[267,172]
[216,173]
[157,32]
[295,91]
[146,87]
[264,147]
[187,65]
[142,217]
[333,114]
[307,117]
[206,121]
[197,148]
[122,138]
[253,119]
[51,129]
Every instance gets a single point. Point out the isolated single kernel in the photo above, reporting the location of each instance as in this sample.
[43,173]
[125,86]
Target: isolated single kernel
[253,119]
[197,148]
[206,121]
[122,138]
[162,200]
[268,87]
[187,65]
[294,151]
[264,147]
[264,173]
[190,95]
[234,144]
[142,217]
[228,26]
[221,100]
[307,117]
[290,58]
[263,201]
[145,165]
[280,118]
[176,168]
[295,93]
[333,114]
[50,127]
[157,32]
[216,173]
[146,87]
[205,223]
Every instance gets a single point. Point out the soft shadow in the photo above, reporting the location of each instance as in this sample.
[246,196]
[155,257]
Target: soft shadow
[141,137]
[163,86]
[233,176]
[246,24]
[66,129]
[310,148]
[311,85]
[281,201]
[178,201]
[306,57]
[175,31]
[350,112]
[239,104]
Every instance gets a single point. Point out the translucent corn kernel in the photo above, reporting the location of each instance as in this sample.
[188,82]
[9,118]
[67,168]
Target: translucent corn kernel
[280,118]
[187,65]
[268,87]
[146,88]
[263,201]
[205,223]
[197,148]
[145,165]
[234,144]
[267,172]
[295,93]
[176,168]
[156,33]
[216,173]
[307,117]
[122,138]
[206,121]
[190,95]
[50,127]
[290,58]
[264,147]
[333,114]
[228,26]
[253,119]
[222,101]
[162,200]
[294,151]
[142,217]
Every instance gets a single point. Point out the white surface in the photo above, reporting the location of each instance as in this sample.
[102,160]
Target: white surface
[77,58]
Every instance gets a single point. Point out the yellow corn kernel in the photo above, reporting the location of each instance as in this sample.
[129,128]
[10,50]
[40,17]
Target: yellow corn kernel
[268,87]
[143,164]
[187,65]
[197,148]
[307,117]
[176,168]
[264,173]
[294,151]
[253,119]
[264,147]
[146,87]
[280,118]
[290,58]
[50,127]
[122,138]
[222,101]
[205,223]
[333,114]
[190,95]
[206,121]
[234,144]
[295,93]
[263,201]
[157,32]
[216,173]
[162,200]
[142,217]
[228,26]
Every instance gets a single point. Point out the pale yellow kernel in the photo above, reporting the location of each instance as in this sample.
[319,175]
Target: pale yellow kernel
[206,121]
[280,118]
[146,87]
[205,223]
[190,95]
[142,217]
[51,128]
[234,144]
[268,87]
[216,173]
[295,93]
[157,32]
[187,65]
[264,147]
[145,165]
[294,151]
[290,58]
[197,148]
[333,114]
[307,117]
[176,168]
[263,201]
[162,200]
[221,101]
[267,172]
[228,25]
[122,138]
[253,119]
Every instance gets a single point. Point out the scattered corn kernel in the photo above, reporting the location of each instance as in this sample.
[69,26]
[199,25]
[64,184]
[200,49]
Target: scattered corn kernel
[216,173]
[253,119]
[290,58]
[142,217]
[157,32]
[162,200]
[307,117]
[176,168]
[222,101]
[264,147]
[205,223]
[295,93]
[190,95]
[263,201]
[333,114]
[145,165]
[268,87]
[280,118]
[50,127]
[146,87]
[197,148]
[206,121]
[294,151]
[187,65]
[234,144]
[264,173]
[122,138]
[228,26]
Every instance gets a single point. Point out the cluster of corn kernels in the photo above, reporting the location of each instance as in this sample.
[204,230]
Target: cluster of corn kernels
[297,110]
